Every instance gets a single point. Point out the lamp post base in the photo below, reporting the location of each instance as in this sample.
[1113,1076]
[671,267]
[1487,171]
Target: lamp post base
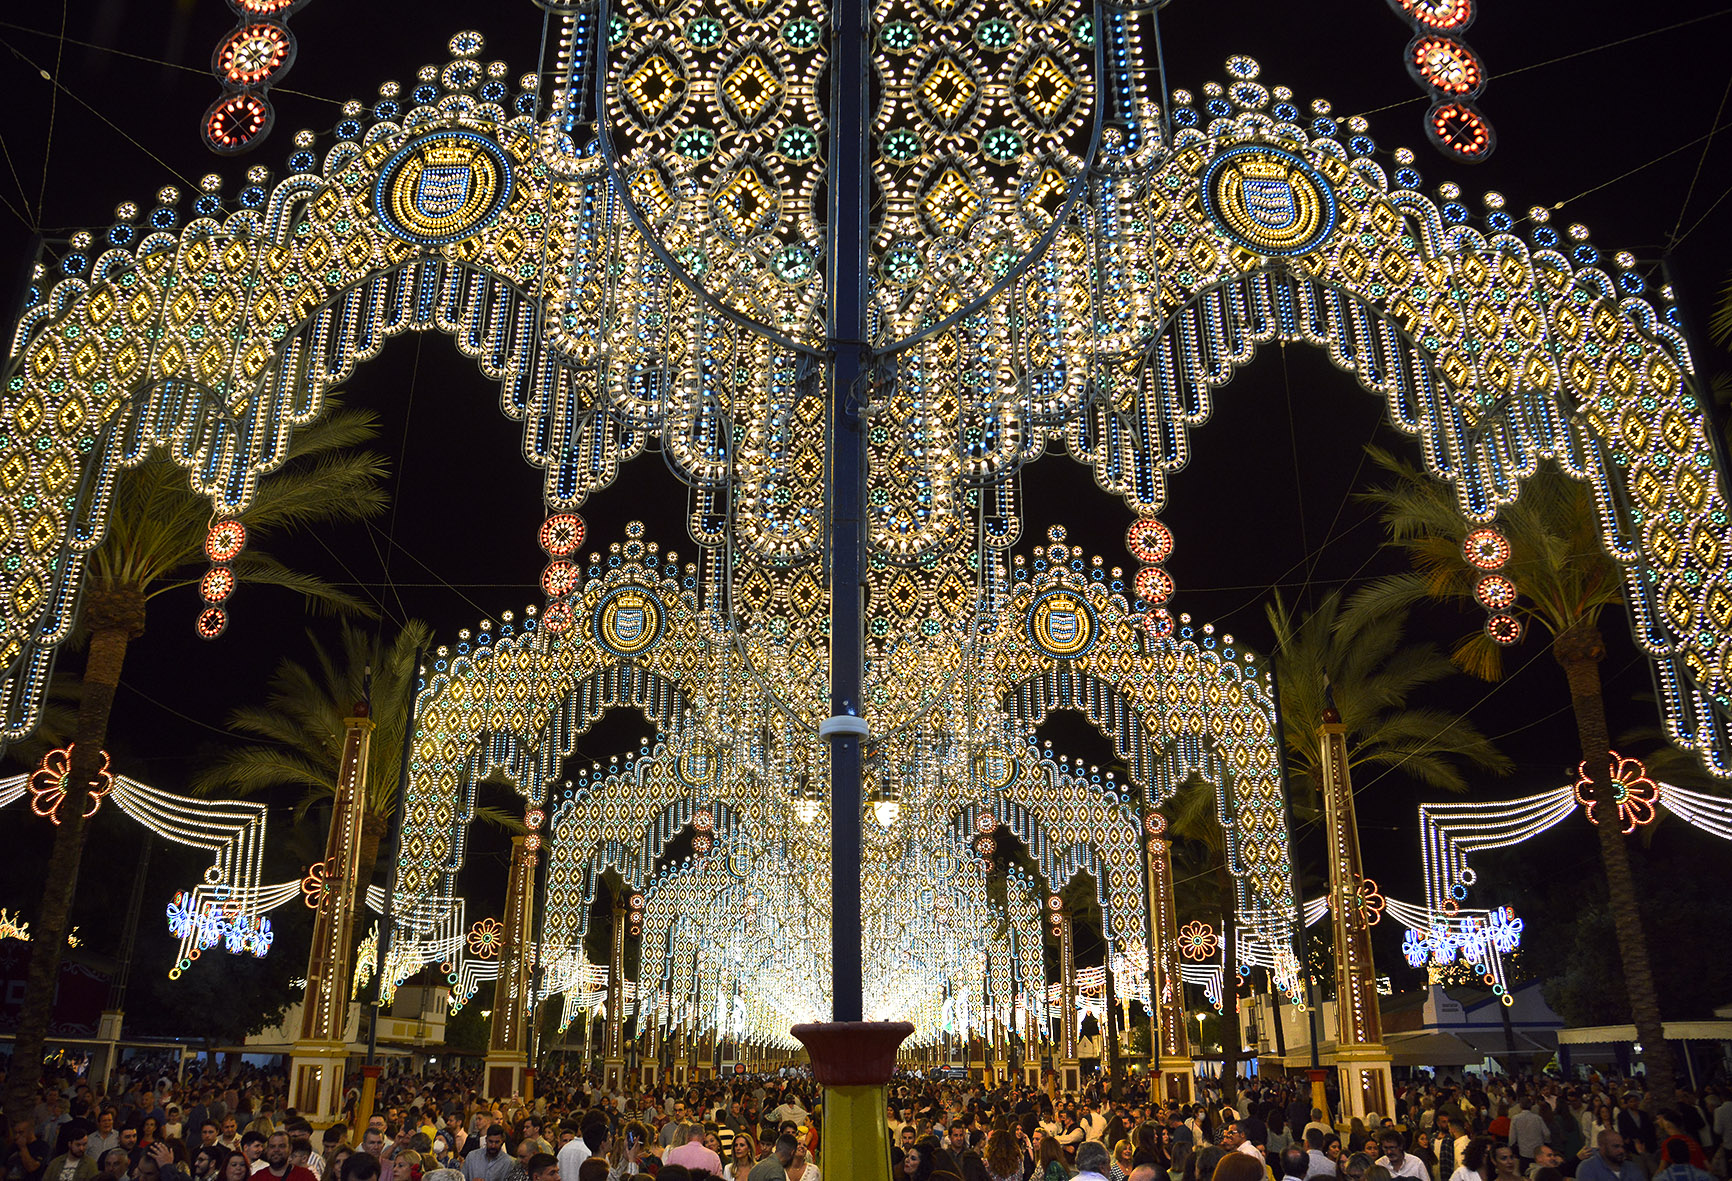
[852,1061]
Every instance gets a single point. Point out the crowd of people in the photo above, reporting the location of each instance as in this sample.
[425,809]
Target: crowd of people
[231,1125]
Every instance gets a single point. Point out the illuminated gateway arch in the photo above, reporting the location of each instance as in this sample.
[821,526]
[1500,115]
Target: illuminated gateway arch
[641,245]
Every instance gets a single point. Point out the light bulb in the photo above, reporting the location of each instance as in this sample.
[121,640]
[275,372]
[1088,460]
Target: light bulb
[886,811]
[806,809]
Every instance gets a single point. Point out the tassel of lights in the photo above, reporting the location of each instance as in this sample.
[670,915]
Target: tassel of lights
[255,55]
[1151,543]
[1488,550]
[1451,74]
[222,545]
[561,537]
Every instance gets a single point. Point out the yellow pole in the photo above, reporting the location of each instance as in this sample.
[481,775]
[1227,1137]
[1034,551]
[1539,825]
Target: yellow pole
[852,1061]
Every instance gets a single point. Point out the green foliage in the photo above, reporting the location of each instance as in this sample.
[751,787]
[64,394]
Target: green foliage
[157,526]
[302,723]
[1358,650]
[466,1030]
[1557,561]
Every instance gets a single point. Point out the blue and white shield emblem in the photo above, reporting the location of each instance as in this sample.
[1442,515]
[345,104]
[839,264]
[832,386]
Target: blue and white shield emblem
[1271,203]
[442,189]
[1062,626]
[628,624]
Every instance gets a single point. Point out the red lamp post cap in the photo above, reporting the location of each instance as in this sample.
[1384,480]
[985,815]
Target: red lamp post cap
[853,1053]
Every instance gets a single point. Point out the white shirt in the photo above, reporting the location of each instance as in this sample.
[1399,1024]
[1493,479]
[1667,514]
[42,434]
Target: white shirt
[571,1158]
[1411,1166]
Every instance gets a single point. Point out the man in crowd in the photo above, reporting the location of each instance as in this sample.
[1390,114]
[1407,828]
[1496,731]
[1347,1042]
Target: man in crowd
[1609,1162]
[542,1167]
[693,1154]
[489,1162]
[277,1165]
[1396,1159]
[28,1156]
[1296,1163]
[775,1166]
[1547,1158]
[105,1137]
[113,1165]
[1091,1161]
[1527,1131]
[76,1163]
[253,1150]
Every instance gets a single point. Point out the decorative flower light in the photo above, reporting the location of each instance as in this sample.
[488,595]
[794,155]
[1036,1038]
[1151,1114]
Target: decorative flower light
[1197,940]
[1442,944]
[1474,941]
[48,784]
[486,938]
[1366,901]
[317,888]
[1415,949]
[1504,929]
[1632,790]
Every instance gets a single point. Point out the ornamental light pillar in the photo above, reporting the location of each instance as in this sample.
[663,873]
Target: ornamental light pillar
[508,1045]
[613,1048]
[321,1052]
[1170,1043]
[1069,1066]
[1362,1061]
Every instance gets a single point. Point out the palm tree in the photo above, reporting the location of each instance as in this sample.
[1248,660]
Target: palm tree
[1566,579]
[1357,651]
[302,724]
[155,544]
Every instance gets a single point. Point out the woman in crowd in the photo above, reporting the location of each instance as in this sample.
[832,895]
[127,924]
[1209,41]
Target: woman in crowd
[1003,1157]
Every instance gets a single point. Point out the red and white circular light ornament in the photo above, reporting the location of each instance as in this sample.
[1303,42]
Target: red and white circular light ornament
[217,584]
[1460,131]
[1495,592]
[253,55]
[1486,548]
[237,123]
[1503,628]
[1153,585]
[1149,541]
[1445,66]
[225,540]
[559,579]
[1451,16]
[562,535]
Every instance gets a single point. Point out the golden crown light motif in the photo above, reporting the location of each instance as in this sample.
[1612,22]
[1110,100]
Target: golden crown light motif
[1269,200]
[443,188]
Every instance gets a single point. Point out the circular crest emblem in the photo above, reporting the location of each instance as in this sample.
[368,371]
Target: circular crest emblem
[1062,624]
[443,187]
[696,765]
[628,620]
[996,766]
[1269,200]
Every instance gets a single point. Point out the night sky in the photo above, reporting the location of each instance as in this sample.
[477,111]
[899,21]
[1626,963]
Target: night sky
[1601,106]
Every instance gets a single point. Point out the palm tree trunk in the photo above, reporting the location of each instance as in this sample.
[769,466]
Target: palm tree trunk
[1579,651]
[372,833]
[1231,1038]
[114,619]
